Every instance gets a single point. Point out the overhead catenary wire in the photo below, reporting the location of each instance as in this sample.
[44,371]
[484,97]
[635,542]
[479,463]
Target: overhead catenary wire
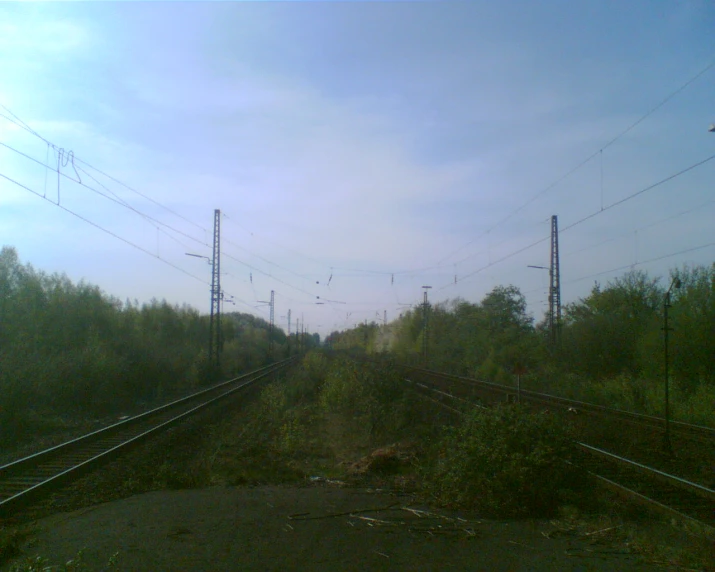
[495,262]
[19,122]
[228,241]
[114,198]
[109,232]
[64,158]
[588,217]
[461,278]
[596,153]
[644,227]
[643,262]
[119,201]
[638,193]
[252,233]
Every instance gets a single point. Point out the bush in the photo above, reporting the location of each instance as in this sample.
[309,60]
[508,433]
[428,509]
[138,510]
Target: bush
[504,462]
[306,381]
[374,394]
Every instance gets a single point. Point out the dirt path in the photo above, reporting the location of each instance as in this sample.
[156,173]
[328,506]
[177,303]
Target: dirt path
[227,528]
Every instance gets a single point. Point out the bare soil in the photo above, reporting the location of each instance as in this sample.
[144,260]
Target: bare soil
[317,527]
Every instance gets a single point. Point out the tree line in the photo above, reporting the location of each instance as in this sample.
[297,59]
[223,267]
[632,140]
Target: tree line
[609,347]
[69,349]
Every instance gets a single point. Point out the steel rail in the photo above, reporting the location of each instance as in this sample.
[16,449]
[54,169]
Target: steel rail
[36,458]
[672,480]
[691,497]
[701,432]
[24,480]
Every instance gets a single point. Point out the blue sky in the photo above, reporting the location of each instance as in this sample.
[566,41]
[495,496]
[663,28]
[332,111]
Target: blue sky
[356,140]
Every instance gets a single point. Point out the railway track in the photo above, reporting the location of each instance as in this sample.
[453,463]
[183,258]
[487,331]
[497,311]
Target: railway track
[25,480]
[685,501]
[687,430]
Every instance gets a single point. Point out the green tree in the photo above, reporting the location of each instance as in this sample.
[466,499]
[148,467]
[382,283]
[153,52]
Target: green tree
[602,332]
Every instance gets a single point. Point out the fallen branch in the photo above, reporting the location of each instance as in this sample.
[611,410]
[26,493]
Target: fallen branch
[300,516]
[602,530]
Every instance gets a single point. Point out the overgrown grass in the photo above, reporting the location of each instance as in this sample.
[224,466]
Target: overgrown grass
[74,564]
[688,404]
[322,415]
[11,539]
[326,414]
[504,461]
[375,396]
[617,525]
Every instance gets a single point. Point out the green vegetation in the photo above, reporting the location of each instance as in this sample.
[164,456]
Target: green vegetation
[504,461]
[69,352]
[323,414]
[610,350]
[75,564]
[346,420]
[11,539]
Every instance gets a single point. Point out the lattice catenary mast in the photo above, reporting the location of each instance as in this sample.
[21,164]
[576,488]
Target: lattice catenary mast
[555,286]
[289,332]
[270,327]
[425,328]
[215,321]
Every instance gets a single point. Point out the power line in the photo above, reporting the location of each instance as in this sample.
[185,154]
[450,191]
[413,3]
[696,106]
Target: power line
[264,259]
[502,259]
[650,225]
[116,199]
[20,123]
[584,219]
[322,263]
[94,224]
[123,203]
[638,193]
[126,241]
[632,126]
[654,259]
[268,275]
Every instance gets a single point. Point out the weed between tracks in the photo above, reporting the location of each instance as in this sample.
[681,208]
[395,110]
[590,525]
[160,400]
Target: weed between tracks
[315,423]
[335,420]
[361,423]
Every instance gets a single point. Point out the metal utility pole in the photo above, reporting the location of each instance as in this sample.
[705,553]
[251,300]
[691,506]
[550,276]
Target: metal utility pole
[666,304]
[425,328]
[555,285]
[270,322]
[215,319]
[270,328]
[288,332]
[384,318]
[297,341]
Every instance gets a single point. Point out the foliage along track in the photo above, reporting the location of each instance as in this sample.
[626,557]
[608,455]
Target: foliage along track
[26,480]
[690,503]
